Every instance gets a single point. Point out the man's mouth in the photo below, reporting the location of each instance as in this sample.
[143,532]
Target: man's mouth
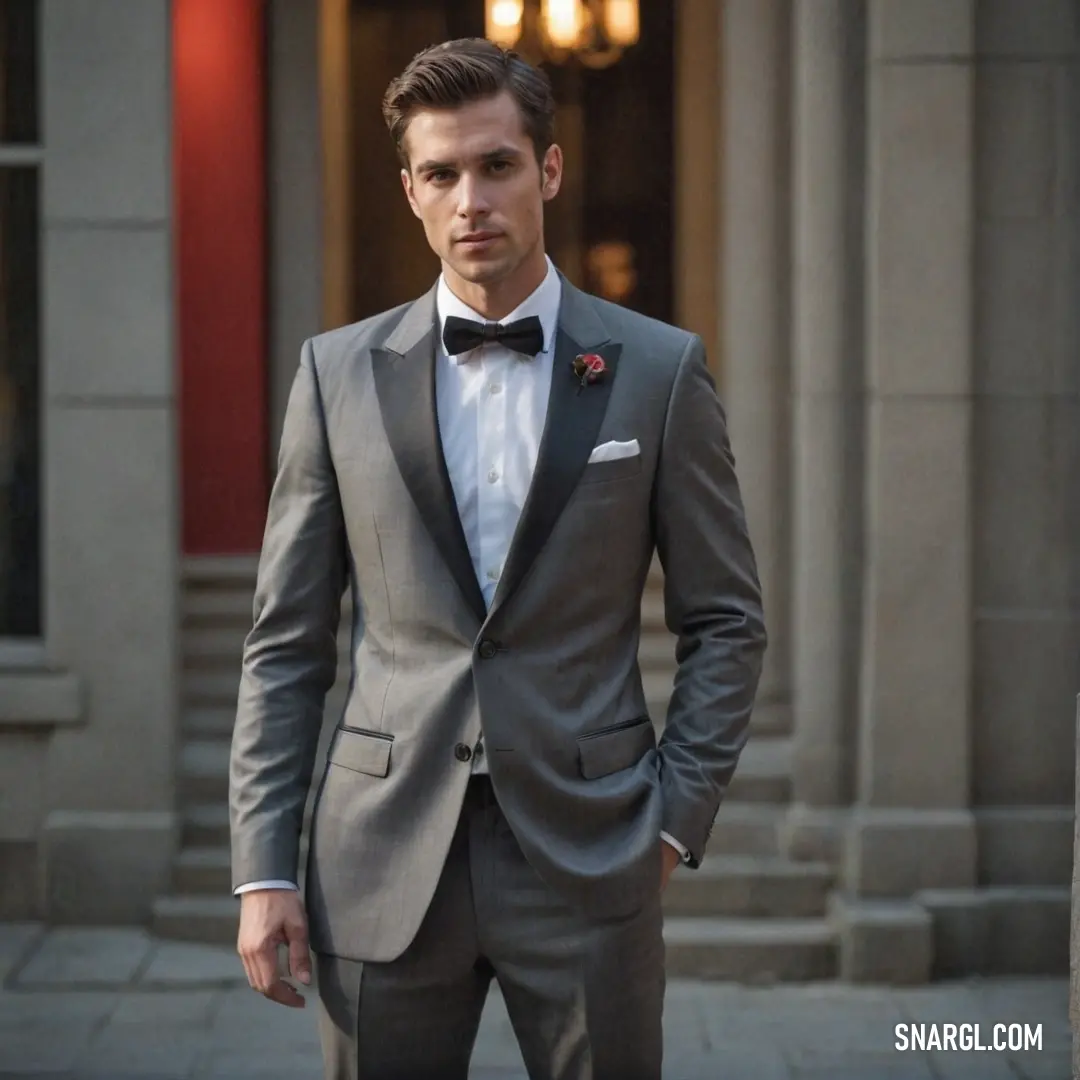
[478,239]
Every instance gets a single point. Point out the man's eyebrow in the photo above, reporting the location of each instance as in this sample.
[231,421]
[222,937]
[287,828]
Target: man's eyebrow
[433,166]
[492,155]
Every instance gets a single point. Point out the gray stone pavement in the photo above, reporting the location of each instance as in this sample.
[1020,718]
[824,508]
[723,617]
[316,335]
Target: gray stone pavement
[100,1004]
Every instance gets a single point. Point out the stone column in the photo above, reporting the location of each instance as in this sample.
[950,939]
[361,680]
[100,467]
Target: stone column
[822,129]
[1026,531]
[111,499]
[754,309]
[912,827]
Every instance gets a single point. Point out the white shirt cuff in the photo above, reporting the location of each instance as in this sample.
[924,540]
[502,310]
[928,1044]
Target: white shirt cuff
[668,838]
[251,886]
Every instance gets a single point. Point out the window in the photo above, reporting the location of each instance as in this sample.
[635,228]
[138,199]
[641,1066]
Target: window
[20,369]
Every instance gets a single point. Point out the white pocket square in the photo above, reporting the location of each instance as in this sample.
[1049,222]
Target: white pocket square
[612,451]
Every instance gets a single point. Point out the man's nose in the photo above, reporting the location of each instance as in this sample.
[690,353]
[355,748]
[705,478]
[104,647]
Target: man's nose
[471,197]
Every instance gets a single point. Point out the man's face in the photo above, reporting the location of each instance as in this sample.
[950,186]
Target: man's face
[475,183]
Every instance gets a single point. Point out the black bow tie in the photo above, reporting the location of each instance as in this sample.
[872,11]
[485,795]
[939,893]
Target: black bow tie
[523,336]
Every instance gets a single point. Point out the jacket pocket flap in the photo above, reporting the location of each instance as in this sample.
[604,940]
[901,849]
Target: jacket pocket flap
[362,751]
[611,749]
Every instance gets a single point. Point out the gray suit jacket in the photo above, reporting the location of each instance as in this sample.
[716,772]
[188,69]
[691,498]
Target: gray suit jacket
[549,675]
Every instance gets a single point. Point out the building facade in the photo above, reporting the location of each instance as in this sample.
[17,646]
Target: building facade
[869,211]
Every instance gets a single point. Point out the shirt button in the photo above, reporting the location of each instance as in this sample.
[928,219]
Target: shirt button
[462,752]
[493,574]
[493,476]
[494,388]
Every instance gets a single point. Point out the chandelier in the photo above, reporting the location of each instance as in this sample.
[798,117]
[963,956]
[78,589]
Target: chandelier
[593,32]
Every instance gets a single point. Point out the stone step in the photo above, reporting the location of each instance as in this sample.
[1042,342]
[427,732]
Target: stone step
[750,950]
[748,886]
[205,825]
[228,607]
[203,870]
[204,771]
[746,829]
[211,687]
[763,774]
[213,920]
[208,721]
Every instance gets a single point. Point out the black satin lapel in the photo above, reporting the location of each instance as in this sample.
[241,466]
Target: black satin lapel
[573,423]
[405,385]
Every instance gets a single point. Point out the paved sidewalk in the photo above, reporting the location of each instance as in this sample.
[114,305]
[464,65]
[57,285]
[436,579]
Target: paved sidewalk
[120,1005]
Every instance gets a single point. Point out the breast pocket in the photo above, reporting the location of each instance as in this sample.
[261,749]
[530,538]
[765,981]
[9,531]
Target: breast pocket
[619,469]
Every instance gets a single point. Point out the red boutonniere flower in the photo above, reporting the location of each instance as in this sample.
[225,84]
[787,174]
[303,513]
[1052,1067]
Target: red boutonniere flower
[589,368]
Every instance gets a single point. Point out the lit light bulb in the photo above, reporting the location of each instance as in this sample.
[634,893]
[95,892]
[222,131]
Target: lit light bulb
[563,22]
[504,21]
[621,22]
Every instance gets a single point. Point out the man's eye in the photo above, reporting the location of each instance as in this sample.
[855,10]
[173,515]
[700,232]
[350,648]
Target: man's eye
[441,175]
[499,166]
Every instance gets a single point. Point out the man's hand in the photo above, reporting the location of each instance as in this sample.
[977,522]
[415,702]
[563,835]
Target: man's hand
[269,918]
[671,858]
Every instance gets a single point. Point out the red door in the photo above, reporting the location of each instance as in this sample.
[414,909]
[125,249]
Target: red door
[219,163]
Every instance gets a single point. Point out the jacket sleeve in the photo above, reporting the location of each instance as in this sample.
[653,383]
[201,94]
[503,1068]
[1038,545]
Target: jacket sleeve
[713,604]
[290,655]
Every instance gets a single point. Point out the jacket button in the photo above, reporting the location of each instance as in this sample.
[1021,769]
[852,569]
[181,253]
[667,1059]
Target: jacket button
[462,752]
[488,649]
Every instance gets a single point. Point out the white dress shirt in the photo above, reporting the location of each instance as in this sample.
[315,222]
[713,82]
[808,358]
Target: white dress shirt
[492,405]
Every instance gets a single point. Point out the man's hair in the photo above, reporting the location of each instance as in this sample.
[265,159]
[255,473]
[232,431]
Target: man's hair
[455,73]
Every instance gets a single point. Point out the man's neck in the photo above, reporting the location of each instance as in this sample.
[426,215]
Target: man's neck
[496,301]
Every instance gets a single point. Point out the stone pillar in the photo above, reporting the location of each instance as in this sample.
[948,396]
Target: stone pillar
[912,827]
[822,311]
[1026,531]
[754,309]
[111,499]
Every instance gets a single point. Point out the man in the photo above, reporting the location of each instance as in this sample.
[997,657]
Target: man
[488,470]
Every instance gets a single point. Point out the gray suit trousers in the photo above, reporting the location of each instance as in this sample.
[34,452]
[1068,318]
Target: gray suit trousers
[584,994]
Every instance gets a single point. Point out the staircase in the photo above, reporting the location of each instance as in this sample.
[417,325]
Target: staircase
[747,915]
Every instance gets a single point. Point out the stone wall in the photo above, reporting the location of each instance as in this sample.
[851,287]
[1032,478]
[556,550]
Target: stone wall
[910,447]
[87,734]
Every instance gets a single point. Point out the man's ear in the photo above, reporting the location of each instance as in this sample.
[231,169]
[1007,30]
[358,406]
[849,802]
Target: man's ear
[406,183]
[551,172]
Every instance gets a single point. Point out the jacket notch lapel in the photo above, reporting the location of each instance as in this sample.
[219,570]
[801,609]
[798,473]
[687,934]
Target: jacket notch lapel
[405,387]
[575,414]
